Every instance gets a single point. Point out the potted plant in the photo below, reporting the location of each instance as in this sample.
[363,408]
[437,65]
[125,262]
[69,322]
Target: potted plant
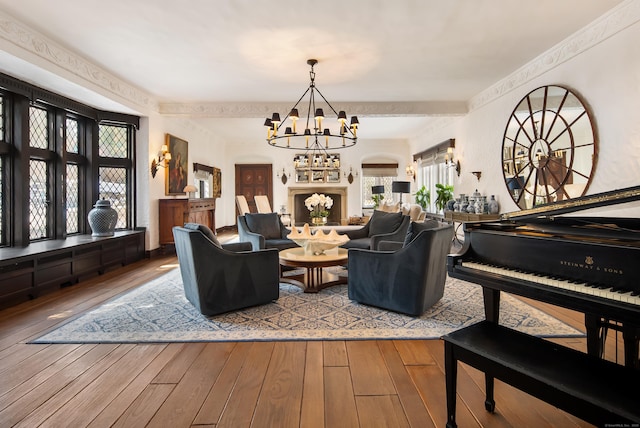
[423,197]
[444,194]
[376,200]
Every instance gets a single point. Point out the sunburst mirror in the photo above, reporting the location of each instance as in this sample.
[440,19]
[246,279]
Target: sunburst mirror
[549,150]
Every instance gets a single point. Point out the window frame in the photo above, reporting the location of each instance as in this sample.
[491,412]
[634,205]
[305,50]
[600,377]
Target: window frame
[18,97]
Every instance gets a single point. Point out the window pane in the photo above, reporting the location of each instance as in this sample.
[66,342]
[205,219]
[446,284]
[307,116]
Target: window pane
[112,141]
[72,135]
[113,187]
[38,128]
[72,198]
[38,199]
[368,182]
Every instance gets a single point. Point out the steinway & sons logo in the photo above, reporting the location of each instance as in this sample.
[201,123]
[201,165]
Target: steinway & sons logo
[589,264]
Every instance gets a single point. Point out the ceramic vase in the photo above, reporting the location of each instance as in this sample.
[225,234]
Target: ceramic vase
[102,218]
[494,207]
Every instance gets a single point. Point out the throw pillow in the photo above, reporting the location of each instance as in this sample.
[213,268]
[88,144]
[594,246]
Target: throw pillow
[383,222]
[267,225]
[415,228]
[205,231]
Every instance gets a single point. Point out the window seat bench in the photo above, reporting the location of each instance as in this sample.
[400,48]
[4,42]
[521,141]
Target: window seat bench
[28,272]
[595,390]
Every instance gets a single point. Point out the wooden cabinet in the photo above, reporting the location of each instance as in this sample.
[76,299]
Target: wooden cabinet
[41,267]
[177,212]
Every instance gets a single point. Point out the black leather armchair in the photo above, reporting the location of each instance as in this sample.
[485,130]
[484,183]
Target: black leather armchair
[218,279]
[264,231]
[382,226]
[409,280]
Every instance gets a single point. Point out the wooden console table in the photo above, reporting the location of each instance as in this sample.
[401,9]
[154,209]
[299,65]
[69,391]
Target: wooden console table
[177,212]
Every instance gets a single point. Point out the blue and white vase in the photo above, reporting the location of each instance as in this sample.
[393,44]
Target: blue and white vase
[102,218]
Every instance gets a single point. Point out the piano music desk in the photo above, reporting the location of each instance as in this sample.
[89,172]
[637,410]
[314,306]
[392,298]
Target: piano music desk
[595,390]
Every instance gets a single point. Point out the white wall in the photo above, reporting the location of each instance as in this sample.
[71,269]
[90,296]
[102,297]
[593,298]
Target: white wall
[605,74]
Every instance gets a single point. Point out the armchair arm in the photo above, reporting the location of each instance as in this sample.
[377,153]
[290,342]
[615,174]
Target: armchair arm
[245,235]
[397,236]
[363,232]
[389,246]
[238,246]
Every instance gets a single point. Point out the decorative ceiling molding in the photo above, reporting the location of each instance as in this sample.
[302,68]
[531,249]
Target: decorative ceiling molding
[261,110]
[616,20]
[24,37]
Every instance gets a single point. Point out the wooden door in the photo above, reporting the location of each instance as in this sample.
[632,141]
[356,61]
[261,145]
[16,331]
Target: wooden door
[254,179]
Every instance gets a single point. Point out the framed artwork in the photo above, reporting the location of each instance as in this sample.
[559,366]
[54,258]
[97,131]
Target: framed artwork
[317,176]
[302,176]
[333,176]
[176,175]
[217,183]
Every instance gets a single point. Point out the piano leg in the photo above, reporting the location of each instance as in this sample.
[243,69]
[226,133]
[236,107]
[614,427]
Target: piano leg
[631,337]
[597,329]
[596,334]
[491,313]
[491,304]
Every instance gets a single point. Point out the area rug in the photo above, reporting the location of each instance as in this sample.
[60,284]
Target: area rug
[159,312]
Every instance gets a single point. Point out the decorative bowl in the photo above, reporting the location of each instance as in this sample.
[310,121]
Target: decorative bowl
[316,243]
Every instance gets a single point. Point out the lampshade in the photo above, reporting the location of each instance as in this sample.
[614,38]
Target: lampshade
[377,190]
[190,188]
[401,187]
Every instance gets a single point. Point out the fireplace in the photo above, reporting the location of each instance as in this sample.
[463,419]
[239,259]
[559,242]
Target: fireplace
[300,213]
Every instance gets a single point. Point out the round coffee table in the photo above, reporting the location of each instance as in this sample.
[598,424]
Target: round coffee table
[315,278]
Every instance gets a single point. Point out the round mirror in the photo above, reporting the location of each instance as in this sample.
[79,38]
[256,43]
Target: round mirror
[549,148]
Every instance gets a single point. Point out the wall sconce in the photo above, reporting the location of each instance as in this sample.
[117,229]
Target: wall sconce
[163,157]
[283,176]
[351,175]
[448,158]
[411,171]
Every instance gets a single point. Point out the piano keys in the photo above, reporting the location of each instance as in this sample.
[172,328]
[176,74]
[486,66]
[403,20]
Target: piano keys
[588,264]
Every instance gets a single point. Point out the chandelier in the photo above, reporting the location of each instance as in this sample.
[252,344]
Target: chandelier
[314,137]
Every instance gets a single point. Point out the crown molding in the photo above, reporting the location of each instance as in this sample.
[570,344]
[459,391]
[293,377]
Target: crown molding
[612,22]
[364,109]
[29,40]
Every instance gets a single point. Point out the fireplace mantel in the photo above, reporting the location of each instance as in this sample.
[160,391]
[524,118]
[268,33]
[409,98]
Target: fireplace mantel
[293,191]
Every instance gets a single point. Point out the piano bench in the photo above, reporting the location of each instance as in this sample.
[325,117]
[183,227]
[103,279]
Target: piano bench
[595,390]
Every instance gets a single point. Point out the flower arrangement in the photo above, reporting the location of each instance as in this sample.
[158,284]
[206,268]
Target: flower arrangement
[319,205]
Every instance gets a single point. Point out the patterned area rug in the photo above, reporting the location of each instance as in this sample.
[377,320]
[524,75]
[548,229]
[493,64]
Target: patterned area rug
[159,312]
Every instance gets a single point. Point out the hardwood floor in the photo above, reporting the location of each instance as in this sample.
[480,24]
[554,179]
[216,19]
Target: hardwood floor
[386,383]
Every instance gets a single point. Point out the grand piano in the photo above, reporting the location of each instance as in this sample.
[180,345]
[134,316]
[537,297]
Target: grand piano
[587,264]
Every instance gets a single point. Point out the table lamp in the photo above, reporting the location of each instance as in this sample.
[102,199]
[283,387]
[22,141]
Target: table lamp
[401,187]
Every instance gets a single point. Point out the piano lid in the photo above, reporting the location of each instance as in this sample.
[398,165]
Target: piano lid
[576,204]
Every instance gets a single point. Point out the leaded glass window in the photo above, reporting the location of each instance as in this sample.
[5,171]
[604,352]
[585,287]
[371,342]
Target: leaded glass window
[72,198]
[38,199]
[38,128]
[113,187]
[113,141]
[72,135]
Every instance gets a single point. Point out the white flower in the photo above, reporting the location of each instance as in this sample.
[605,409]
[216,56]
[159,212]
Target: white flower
[317,200]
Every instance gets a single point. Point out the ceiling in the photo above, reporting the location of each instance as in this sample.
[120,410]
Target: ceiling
[408,61]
